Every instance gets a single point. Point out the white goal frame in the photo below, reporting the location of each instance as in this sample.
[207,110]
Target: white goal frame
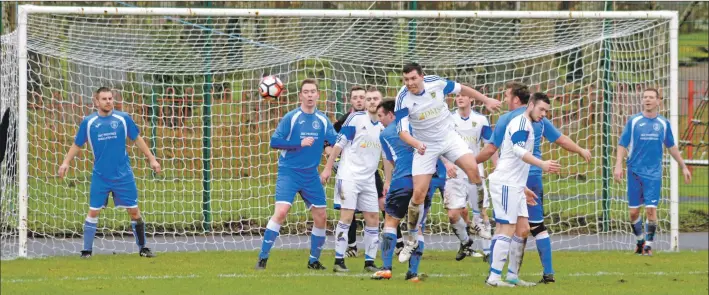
[25,10]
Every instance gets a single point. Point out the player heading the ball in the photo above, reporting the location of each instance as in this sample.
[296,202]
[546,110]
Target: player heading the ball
[424,122]
[301,137]
[106,132]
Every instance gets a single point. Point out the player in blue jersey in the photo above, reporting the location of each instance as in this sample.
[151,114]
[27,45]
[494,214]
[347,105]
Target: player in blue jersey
[301,137]
[642,138]
[516,95]
[107,131]
[399,194]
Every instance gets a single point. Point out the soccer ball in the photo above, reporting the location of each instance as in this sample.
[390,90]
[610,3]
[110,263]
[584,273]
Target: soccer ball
[270,87]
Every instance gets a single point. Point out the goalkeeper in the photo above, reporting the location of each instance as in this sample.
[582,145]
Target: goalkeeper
[107,131]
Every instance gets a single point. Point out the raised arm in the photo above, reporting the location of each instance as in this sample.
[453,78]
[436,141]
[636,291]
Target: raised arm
[490,103]
[280,140]
[518,139]
[554,135]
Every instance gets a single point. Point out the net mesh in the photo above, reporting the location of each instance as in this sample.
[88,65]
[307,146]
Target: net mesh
[191,85]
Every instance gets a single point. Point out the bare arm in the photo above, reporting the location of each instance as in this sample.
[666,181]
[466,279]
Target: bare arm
[73,152]
[495,157]
[143,147]
[674,152]
[327,171]
[413,142]
[490,103]
[488,151]
[566,143]
[619,156]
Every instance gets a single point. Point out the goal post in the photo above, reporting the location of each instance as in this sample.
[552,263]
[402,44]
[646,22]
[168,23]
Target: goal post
[219,174]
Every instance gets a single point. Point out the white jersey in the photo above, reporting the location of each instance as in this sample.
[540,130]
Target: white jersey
[426,114]
[473,129]
[514,139]
[361,148]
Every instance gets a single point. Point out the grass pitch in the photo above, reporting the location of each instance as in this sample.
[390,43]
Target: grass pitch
[232,273]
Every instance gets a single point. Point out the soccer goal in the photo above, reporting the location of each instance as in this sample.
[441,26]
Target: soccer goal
[189,78]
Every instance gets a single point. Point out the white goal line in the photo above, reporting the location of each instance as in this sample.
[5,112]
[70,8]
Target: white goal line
[311,274]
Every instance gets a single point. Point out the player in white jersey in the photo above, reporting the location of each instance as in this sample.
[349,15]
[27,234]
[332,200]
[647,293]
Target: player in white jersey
[514,134]
[425,124]
[361,150]
[475,129]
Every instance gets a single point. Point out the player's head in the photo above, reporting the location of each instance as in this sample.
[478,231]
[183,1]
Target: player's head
[357,98]
[516,94]
[463,102]
[539,105]
[103,98]
[372,99]
[309,93]
[412,74]
[651,99]
[385,112]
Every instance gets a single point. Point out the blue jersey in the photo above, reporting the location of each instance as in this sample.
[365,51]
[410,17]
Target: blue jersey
[107,138]
[644,137]
[398,151]
[295,126]
[542,128]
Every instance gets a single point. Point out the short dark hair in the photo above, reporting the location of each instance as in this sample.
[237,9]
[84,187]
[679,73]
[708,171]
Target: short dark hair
[309,81]
[103,89]
[412,66]
[537,96]
[373,89]
[657,92]
[355,88]
[519,89]
[388,105]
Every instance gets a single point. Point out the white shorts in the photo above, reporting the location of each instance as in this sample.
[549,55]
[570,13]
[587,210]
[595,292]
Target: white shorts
[356,195]
[451,147]
[460,192]
[508,203]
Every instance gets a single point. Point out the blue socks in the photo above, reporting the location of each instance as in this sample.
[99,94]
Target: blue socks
[416,258]
[388,247]
[269,238]
[317,240]
[544,249]
[89,232]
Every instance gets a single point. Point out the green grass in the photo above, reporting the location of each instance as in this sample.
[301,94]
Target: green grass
[689,44]
[232,273]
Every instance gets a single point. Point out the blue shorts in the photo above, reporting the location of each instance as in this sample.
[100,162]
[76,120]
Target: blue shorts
[125,192]
[397,200]
[436,183]
[643,191]
[536,212]
[304,181]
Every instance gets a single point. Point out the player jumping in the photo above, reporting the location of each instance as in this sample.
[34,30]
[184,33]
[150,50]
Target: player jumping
[425,124]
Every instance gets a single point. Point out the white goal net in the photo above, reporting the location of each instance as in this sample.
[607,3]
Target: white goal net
[190,81]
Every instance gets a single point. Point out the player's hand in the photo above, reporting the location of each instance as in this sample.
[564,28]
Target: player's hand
[63,170]
[155,166]
[493,105]
[551,166]
[325,176]
[308,141]
[385,188]
[421,149]
[451,170]
[586,155]
[531,197]
[687,175]
[618,173]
